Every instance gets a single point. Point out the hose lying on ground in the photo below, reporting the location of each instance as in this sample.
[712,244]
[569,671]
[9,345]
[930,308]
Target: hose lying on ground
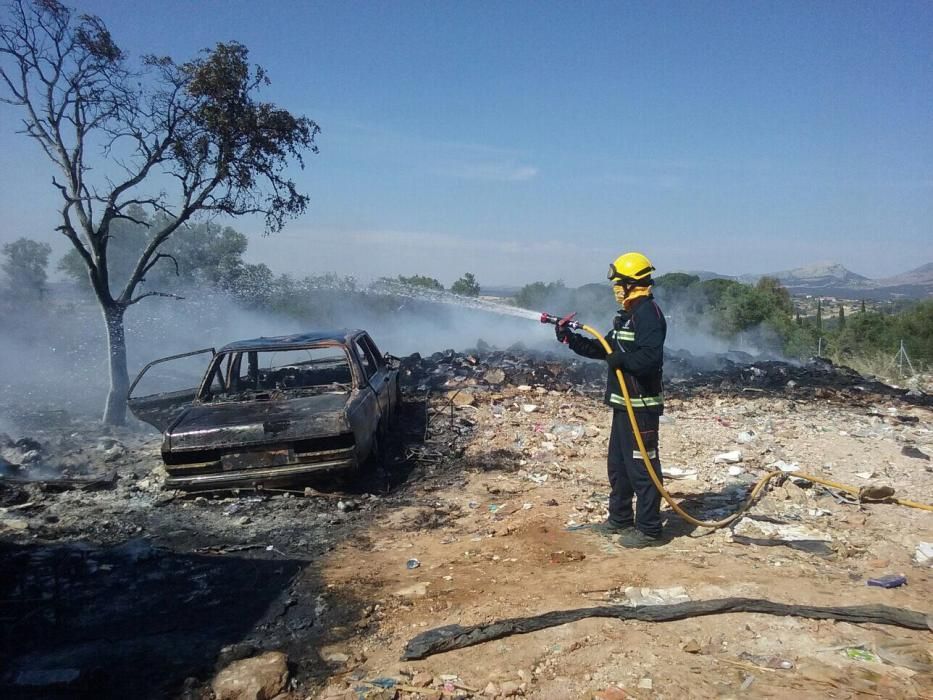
[756,490]
[453,637]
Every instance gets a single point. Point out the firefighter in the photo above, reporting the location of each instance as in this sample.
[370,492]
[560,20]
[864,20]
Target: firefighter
[637,341]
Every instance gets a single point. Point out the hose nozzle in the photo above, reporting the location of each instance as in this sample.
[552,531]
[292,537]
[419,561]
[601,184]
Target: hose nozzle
[567,321]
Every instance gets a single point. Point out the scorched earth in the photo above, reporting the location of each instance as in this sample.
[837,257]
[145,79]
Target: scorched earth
[114,587]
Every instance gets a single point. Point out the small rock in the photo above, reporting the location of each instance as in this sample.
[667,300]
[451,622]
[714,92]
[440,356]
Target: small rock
[336,657]
[258,678]
[461,398]
[491,690]
[612,693]
[910,451]
[692,646]
[422,679]
[494,376]
[530,407]
[15,524]
[510,689]
[645,684]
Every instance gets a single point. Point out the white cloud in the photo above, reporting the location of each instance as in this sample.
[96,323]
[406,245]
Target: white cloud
[497,172]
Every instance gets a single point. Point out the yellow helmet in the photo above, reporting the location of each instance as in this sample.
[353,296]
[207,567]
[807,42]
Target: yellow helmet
[630,275]
[630,267]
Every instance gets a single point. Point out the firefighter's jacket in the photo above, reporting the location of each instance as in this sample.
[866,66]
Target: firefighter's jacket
[637,341]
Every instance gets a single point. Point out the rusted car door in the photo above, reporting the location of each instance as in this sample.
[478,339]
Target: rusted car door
[166,387]
[387,376]
[374,367]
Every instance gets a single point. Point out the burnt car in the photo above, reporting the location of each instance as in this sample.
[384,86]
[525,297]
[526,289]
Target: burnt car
[272,411]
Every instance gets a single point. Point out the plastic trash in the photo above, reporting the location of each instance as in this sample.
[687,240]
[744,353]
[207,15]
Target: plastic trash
[859,654]
[923,556]
[728,457]
[656,596]
[785,467]
[412,564]
[888,581]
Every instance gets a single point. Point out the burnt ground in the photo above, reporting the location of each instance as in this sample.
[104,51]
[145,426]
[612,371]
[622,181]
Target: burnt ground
[129,591]
[120,589]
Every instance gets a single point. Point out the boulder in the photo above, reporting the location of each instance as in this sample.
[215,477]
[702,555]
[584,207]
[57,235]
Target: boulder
[258,678]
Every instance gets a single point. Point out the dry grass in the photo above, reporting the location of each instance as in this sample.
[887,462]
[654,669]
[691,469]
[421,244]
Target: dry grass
[883,366]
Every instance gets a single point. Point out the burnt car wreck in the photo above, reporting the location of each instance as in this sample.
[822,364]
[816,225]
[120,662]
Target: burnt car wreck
[272,411]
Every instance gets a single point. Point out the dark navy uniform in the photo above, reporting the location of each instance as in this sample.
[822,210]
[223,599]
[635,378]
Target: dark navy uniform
[637,341]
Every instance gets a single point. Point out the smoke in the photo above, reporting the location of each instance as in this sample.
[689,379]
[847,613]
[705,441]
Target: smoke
[55,357]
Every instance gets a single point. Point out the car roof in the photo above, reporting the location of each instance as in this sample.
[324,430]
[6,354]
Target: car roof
[298,340]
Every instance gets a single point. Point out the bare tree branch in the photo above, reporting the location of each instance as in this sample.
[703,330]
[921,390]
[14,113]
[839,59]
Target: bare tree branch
[152,294]
[156,259]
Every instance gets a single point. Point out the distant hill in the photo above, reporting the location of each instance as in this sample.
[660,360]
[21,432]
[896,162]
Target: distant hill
[834,280]
[817,277]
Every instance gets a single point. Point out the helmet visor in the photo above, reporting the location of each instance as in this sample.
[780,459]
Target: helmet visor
[617,277]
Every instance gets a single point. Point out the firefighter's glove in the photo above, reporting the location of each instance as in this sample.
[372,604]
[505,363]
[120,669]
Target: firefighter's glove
[616,360]
[564,334]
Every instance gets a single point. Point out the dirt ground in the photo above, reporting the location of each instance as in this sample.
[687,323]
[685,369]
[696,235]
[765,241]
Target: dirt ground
[132,591]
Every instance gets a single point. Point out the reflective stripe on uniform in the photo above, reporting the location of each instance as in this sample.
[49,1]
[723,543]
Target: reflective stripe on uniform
[638,401]
[628,336]
[651,454]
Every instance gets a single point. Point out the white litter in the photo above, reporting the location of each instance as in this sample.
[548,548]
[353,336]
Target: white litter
[678,473]
[728,457]
[764,530]
[656,596]
[786,467]
[924,554]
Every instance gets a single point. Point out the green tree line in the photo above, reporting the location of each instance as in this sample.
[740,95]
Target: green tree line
[727,308]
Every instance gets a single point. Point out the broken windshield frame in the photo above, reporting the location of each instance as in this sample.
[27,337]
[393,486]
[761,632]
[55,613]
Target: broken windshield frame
[273,373]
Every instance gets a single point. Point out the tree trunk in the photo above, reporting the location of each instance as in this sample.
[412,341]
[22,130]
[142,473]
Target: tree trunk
[115,410]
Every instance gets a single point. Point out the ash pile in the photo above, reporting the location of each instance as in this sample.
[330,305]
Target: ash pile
[486,367]
[725,373]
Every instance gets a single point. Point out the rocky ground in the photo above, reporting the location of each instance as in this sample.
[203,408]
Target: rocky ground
[112,586]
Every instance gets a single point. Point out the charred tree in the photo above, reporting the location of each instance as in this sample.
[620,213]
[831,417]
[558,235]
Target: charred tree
[183,140]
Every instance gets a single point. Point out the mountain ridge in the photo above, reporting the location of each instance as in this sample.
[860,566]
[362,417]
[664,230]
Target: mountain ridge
[833,279]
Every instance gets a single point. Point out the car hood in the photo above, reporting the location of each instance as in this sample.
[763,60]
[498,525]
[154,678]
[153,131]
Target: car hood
[247,423]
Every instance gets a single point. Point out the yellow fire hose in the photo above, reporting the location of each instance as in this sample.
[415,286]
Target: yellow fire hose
[759,485]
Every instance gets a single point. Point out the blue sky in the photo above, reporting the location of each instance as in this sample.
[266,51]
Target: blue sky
[527,141]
